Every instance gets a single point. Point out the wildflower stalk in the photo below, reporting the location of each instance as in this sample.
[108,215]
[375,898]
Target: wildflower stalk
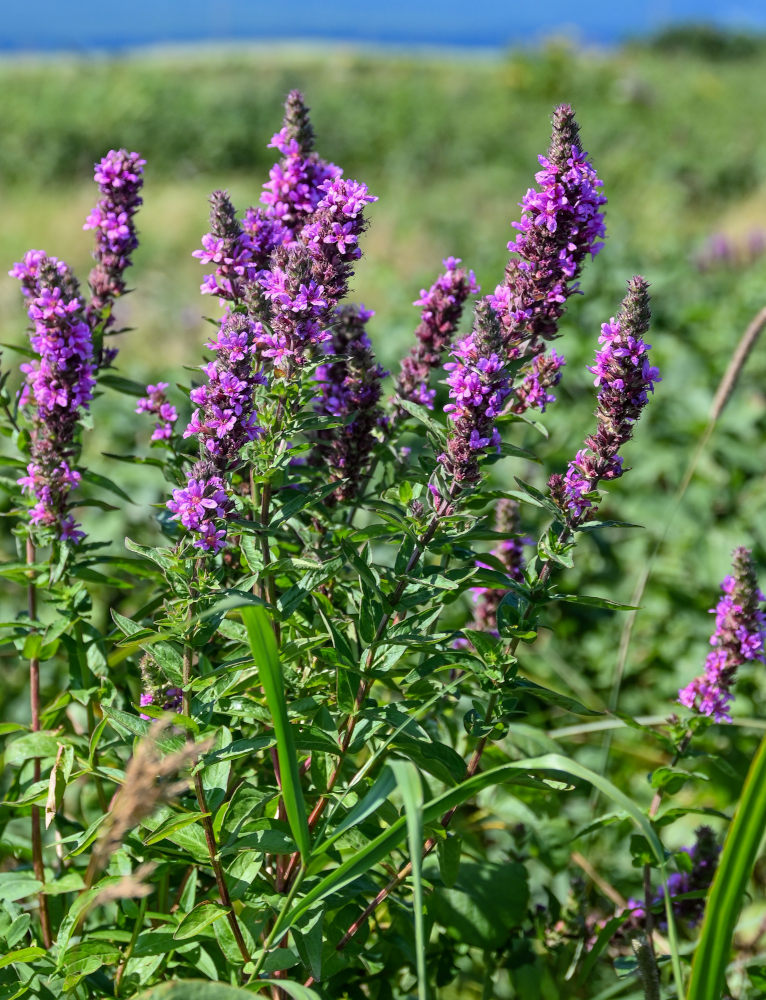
[34,697]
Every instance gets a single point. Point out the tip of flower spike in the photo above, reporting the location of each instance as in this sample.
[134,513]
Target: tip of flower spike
[297,124]
[635,312]
[565,135]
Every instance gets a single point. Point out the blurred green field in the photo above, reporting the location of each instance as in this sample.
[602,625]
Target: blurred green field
[449,144]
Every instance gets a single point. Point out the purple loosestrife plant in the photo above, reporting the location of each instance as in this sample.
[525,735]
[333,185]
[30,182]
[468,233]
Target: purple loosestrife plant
[738,638]
[625,377]
[119,176]
[156,403]
[562,223]
[350,389]
[442,307]
[57,391]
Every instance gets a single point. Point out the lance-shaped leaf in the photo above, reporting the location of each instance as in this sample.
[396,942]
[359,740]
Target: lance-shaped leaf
[266,655]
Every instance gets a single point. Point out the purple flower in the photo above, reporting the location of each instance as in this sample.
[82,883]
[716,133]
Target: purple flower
[120,178]
[478,388]
[540,375]
[156,402]
[225,419]
[442,307]
[231,249]
[171,699]
[201,505]
[333,233]
[561,224]
[737,638]
[294,188]
[349,388]
[624,378]
[58,387]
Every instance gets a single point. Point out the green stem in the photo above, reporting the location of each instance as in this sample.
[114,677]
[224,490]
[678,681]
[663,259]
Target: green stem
[289,898]
[131,945]
[34,699]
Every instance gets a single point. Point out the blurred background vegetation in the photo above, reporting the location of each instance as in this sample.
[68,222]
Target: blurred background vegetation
[677,129]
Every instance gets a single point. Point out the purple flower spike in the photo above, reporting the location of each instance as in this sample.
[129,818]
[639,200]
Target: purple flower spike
[738,637]
[625,378]
[442,307]
[561,224]
[478,388]
[225,419]
[120,177]
[350,389]
[230,248]
[294,188]
[58,388]
[156,402]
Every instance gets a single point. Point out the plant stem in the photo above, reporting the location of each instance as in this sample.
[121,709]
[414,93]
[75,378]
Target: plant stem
[34,698]
[131,945]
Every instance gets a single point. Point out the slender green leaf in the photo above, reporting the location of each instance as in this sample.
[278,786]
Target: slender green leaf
[266,655]
[729,885]
[408,780]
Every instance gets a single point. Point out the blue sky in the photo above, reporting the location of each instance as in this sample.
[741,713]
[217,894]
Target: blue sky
[82,25]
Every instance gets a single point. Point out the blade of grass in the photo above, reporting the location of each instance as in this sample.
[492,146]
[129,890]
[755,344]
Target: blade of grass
[266,655]
[728,889]
[408,780]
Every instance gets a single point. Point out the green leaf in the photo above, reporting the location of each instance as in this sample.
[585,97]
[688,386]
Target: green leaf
[592,602]
[408,780]
[448,852]
[727,892]
[31,745]
[486,901]
[18,885]
[266,656]
[198,919]
[22,955]
[173,825]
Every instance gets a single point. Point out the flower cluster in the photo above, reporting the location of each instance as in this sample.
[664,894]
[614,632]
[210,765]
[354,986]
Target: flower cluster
[231,249]
[295,185]
[156,402]
[509,552]
[58,387]
[119,176]
[738,637]
[561,223]
[625,378]
[442,307]
[478,388]
[540,375]
[225,420]
[332,235]
[306,280]
[201,505]
[349,388]
[157,691]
